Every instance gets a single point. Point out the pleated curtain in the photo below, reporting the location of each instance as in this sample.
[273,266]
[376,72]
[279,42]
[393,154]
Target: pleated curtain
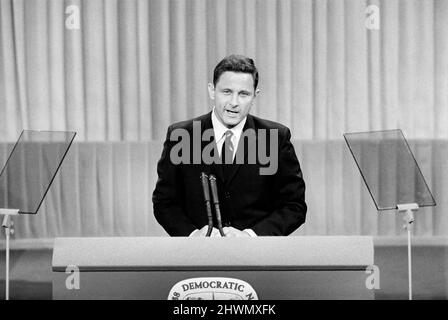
[133,67]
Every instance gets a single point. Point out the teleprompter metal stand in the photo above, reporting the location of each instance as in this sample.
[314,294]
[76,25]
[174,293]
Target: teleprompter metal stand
[8,225]
[392,176]
[408,218]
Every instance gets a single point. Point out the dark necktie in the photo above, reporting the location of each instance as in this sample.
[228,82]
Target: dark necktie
[227,153]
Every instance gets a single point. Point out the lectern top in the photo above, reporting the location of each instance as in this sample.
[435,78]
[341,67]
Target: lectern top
[31,167]
[244,254]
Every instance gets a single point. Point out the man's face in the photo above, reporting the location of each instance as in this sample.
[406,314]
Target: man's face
[234,95]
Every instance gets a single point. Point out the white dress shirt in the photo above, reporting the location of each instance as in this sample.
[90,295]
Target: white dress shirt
[219,130]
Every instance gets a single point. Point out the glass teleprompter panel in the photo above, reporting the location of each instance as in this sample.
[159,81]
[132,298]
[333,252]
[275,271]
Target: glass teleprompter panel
[389,169]
[31,168]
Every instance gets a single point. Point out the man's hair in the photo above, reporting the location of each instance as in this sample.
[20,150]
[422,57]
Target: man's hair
[236,63]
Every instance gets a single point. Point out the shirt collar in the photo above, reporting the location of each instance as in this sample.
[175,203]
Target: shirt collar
[219,129]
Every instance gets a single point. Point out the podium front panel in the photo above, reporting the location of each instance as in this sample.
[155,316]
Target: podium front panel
[276,267]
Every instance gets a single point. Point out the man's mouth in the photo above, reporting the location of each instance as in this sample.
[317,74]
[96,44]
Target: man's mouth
[230,112]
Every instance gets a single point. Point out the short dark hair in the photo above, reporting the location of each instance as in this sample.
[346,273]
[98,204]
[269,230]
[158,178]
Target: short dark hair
[236,63]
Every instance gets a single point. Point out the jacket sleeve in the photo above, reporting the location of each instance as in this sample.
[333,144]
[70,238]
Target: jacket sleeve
[168,195]
[290,207]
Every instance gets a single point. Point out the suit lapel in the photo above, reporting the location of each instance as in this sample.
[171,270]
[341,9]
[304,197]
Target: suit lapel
[215,168]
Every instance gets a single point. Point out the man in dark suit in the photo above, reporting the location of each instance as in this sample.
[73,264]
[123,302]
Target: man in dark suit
[255,200]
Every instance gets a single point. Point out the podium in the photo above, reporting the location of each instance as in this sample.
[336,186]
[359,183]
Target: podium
[303,267]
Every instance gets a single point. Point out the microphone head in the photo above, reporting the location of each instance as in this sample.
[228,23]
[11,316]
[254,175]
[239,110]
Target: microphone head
[205,187]
[214,188]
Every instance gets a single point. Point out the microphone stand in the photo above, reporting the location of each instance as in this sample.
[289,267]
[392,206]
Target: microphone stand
[215,198]
[205,189]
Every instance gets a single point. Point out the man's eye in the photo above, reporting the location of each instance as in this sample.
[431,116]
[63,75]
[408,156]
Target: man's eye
[244,94]
[226,91]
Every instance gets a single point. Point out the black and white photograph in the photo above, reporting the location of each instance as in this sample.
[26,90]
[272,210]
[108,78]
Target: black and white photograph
[246,151]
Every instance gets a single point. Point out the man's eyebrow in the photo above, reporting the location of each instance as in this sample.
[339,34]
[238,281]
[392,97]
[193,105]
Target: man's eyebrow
[230,89]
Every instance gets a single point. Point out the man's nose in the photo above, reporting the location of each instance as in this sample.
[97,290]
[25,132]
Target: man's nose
[234,100]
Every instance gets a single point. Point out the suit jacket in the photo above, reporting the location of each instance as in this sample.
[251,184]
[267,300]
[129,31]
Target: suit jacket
[270,205]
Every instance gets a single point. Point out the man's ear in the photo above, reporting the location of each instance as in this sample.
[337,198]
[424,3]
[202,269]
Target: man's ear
[257,91]
[211,91]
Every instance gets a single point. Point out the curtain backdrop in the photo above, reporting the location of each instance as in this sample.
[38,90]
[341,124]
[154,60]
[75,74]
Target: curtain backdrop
[134,66]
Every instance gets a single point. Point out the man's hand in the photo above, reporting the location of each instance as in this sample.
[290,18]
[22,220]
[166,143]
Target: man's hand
[228,232]
[232,232]
[203,232]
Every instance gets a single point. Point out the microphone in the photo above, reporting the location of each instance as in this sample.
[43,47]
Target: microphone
[215,198]
[205,189]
